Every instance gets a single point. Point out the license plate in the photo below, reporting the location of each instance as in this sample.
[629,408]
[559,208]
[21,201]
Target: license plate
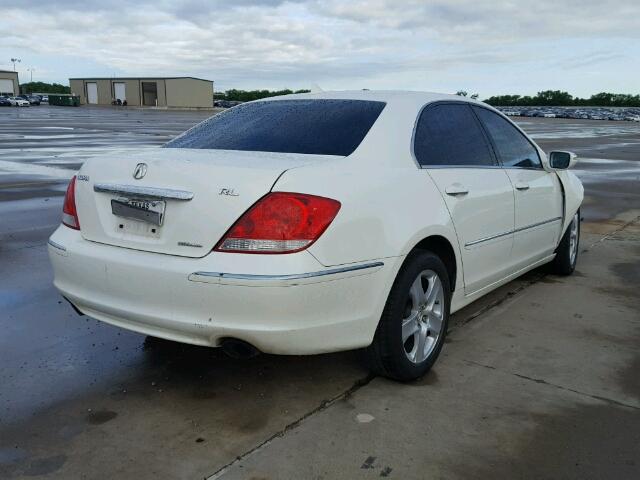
[149,211]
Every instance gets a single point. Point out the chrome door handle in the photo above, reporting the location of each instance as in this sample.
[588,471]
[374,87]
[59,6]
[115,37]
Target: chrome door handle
[522,186]
[456,189]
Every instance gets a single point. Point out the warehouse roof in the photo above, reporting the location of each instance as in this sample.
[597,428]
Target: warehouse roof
[138,78]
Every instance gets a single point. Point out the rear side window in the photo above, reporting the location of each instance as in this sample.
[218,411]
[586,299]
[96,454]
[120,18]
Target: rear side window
[512,147]
[317,127]
[449,134]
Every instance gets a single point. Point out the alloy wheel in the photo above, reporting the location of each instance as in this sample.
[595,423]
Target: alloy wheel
[423,316]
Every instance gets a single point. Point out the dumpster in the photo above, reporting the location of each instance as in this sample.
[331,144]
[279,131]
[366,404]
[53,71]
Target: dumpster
[64,100]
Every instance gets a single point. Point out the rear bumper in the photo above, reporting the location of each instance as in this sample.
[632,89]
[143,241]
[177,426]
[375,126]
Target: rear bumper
[284,304]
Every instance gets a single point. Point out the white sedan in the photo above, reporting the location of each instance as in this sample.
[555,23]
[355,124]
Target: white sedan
[19,102]
[317,222]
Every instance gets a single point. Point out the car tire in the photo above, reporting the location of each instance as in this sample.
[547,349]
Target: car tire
[419,302]
[567,251]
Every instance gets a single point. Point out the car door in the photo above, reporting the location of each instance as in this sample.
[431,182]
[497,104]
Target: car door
[538,193]
[451,146]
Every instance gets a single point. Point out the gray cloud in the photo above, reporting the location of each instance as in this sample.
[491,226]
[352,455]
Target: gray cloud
[285,42]
[495,19]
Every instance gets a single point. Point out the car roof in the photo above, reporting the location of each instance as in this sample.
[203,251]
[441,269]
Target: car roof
[391,134]
[387,96]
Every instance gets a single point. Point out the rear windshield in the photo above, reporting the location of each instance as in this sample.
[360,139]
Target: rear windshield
[316,127]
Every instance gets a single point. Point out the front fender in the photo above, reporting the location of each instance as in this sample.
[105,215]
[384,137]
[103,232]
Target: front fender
[573,195]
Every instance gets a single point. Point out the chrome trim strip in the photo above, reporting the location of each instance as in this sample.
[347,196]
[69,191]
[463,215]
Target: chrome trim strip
[517,230]
[486,239]
[551,220]
[536,169]
[495,167]
[140,191]
[436,167]
[295,276]
[56,245]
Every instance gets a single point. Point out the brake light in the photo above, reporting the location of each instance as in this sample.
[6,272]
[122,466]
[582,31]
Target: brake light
[69,212]
[280,222]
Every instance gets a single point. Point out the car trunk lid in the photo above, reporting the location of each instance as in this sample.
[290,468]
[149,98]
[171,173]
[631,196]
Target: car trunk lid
[180,201]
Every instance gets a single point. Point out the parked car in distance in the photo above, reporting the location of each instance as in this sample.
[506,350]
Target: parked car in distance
[45,98]
[582,113]
[34,99]
[19,102]
[315,223]
[4,102]
[226,103]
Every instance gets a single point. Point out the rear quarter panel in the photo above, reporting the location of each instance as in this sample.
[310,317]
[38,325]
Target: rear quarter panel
[385,212]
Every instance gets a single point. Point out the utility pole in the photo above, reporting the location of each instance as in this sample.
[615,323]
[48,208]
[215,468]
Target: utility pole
[14,60]
[31,70]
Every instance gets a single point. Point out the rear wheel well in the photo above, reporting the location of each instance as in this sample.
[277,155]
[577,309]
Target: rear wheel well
[443,249]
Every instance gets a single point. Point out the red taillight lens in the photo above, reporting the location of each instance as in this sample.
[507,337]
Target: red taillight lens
[280,222]
[69,212]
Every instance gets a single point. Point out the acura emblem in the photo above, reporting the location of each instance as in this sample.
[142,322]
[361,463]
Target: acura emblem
[140,171]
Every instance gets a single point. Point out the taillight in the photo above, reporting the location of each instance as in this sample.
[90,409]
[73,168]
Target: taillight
[280,222]
[69,212]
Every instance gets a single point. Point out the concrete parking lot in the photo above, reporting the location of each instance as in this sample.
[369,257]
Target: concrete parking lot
[538,380]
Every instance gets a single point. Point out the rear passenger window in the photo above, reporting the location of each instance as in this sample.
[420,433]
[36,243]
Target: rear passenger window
[449,134]
[512,147]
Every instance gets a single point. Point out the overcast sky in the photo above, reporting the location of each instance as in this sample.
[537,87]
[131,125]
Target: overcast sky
[489,47]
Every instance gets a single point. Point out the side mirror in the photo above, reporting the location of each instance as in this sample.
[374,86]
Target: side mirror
[560,160]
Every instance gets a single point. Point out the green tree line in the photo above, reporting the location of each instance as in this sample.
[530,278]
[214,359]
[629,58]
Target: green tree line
[558,98]
[248,95]
[42,87]
[543,98]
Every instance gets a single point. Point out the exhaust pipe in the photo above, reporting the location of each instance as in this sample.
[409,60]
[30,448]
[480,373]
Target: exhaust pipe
[238,349]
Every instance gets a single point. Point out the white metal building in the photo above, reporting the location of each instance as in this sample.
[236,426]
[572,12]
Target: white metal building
[9,84]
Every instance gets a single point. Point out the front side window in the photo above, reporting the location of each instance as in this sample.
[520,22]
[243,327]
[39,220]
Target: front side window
[449,135]
[316,127]
[512,147]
